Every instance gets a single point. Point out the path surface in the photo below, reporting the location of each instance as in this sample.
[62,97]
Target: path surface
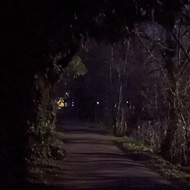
[95,162]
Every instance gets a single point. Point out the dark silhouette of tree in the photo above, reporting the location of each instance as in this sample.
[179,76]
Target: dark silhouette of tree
[33,34]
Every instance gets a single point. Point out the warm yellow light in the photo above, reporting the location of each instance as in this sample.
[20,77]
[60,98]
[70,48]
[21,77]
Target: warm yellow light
[60,103]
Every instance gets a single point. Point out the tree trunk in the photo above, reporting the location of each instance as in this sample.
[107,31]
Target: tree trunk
[120,125]
[123,121]
[17,105]
[172,123]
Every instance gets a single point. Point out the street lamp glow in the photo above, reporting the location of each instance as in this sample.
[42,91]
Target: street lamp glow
[97,103]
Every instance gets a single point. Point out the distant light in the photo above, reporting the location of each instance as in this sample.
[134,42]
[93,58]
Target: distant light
[73,104]
[127,102]
[60,103]
[97,103]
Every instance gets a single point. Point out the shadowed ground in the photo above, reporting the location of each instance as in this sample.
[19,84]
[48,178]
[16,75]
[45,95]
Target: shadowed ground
[93,161]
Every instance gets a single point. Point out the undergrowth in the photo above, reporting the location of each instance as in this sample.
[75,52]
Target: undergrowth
[46,145]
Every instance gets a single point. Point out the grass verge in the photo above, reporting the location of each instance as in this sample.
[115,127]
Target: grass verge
[136,150]
[154,161]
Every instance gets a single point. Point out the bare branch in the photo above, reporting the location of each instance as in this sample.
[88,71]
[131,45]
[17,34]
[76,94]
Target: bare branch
[151,54]
[184,51]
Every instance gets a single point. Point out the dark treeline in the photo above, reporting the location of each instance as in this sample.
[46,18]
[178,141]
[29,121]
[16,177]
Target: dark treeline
[39,39]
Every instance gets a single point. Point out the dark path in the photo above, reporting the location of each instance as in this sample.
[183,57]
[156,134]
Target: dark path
[94,162]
